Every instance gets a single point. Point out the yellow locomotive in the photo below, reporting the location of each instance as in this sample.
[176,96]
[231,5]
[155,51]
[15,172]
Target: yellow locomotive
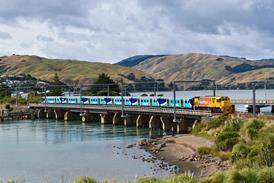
[215,104]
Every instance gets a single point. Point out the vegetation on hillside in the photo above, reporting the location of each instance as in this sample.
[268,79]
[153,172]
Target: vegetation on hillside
[104,86]
[69,71]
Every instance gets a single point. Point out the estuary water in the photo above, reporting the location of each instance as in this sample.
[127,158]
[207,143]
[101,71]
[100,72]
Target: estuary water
[58,151]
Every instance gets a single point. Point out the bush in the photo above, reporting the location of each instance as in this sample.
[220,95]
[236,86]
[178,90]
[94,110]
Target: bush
[217,122]
[266,175]
[267,151]
[204,150]
[198,128]
[149,180]
[224,155]
[183,178]
[239,151]
[246,175]
[227,139]
[233,125]
[253,128]
[85,180]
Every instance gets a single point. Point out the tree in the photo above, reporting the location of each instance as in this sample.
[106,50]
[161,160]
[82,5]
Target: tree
[57,89]
[104,83]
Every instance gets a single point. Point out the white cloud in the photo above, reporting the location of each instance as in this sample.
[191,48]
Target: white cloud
[111,30]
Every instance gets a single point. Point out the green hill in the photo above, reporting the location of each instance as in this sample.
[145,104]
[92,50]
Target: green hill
[69,71]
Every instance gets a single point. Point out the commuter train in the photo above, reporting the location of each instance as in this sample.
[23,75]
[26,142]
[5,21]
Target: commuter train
[216,104]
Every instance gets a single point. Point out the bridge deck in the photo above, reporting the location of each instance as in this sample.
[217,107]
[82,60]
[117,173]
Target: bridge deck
[250,101]
[127,109]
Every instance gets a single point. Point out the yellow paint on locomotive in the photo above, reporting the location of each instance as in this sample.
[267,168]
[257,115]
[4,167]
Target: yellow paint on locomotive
[215,104]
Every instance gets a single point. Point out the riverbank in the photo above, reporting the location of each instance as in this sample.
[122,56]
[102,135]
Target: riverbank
[181,151]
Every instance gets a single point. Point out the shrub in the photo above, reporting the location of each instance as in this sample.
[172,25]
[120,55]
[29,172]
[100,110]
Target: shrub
[239,151]
[204,150]
[227,139]
[217,122]
[267,152]
[183,178]
[266,175]
[85,180]
[198,128]
[254,127]
[247,175]
[224,155]
[233,125]
[149,180]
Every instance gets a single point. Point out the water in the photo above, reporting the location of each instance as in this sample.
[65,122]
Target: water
[48,151]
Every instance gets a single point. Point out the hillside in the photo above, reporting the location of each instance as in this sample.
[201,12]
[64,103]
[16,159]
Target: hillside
[224,69]
[68,70]
[135,60]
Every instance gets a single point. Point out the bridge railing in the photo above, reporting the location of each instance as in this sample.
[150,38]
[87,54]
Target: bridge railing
[250,101]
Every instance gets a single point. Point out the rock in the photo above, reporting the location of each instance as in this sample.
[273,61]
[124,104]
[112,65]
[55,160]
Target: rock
[130,145]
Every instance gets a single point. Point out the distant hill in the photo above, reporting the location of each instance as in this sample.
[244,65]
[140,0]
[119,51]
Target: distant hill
[225,70]
[135,60]
[69,71]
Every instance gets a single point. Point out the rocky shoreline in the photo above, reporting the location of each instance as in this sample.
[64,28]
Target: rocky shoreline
[178,154]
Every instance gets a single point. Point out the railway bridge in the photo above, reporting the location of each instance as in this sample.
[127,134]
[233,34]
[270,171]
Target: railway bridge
[141,117]
[259,103]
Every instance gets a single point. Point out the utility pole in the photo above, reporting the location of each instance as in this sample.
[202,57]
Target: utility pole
[254,100]
[108,90]
[122,93]
[45,96]
[81,101]
[214,88]
[174,102]
[16,90]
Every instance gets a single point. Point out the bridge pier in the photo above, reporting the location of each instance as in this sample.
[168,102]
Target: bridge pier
[72,116]
[250,109]
[50,114]
[272,109]
[185,124]
[155,122]
[106,118]
[166,123]
[88,117]
[41,114]
[59,114]
[142,121]
[117,119]
[130,120]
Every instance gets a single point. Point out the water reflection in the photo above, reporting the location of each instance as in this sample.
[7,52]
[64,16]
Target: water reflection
[46,149]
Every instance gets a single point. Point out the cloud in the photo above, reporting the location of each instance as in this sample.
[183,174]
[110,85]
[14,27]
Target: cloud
[112,30]
[4,35]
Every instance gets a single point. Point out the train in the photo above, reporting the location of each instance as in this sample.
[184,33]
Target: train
[215,104]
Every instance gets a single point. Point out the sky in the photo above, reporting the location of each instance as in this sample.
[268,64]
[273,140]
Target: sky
[111,30]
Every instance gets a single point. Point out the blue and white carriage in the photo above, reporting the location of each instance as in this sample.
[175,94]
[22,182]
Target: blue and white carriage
[117,101]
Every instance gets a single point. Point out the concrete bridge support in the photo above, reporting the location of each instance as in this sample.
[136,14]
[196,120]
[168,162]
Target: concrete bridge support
[59,114]
[117,119]
[41,114]
[130,120]
[250,109]
[142,121]
[106,118]
[72,116]
[155,122]
[50,114]
[88,117]
[166,123]
[185,124]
